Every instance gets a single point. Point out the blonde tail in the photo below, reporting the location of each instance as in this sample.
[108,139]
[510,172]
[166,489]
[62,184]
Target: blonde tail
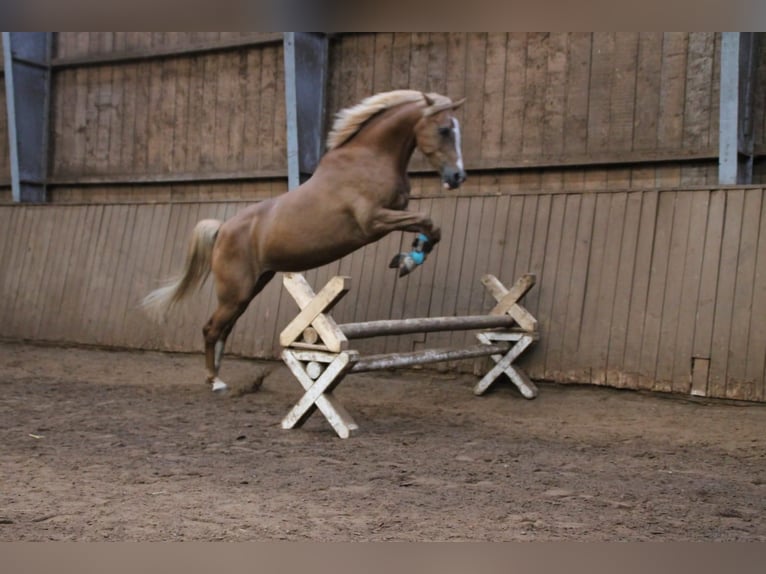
[197,268]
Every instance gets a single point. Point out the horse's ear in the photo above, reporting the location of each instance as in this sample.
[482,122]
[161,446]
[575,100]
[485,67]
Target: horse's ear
[457,104]
[429,101]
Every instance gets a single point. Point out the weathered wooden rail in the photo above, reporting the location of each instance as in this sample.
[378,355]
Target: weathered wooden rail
[316,349]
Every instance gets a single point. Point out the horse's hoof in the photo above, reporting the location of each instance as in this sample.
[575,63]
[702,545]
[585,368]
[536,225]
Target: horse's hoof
[219,386]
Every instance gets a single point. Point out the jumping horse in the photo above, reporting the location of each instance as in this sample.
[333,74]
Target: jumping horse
[357,194]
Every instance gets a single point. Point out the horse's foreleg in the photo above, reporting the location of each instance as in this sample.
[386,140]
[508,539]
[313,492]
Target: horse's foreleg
[428,236]
[387,220]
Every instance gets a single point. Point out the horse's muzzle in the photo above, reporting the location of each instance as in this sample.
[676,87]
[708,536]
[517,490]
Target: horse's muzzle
[453,177]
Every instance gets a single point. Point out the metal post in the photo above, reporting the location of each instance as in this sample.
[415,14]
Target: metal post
[735,142]
[27,58]
[306,56]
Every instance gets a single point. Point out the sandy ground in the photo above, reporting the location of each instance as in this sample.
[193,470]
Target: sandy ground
[99,445]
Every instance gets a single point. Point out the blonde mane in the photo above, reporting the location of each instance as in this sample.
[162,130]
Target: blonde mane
[350,120]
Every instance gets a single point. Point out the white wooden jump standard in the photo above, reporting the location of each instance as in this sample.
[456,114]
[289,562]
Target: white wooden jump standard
[316,347]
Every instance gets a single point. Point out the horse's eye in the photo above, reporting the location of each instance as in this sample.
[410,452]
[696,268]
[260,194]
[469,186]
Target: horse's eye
[445,131]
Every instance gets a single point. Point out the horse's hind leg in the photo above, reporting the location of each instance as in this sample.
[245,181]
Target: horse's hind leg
[232,302]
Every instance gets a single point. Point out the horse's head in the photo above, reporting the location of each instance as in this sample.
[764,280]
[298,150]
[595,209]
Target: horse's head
[438,136]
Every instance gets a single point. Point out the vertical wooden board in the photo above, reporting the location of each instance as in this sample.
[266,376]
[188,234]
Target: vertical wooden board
[627,230]
[252,104]
[673,297]
[491,142]
[279,143]
[101,317]
[577,82]
[418,60]
[194,117]
[556,95]
[51,290]
[400,63]
[268,105]
[561,297]
[642,275]
[14,285]
[648,77]
[473,109]
[10,217]
[127,144]
[738,384]
[104,103]
[711,259]
[622,97]
[658,272]
[436,81]
[725,295]
[599,91]
[206,118]
[699,72]
[144,113]
[77,150]
[497,246]
[534,95]
[457,52]
[115,114]
[756,342]
[383,62]
[513,238]
[689,292]
[95,279]
[571,350]
[28,287]
[167,113]
[61,125]
[77,274]
[89,163]
[539,232]
[176,155]
[584,339]
[225,107]
[127,298]
[514,96]
[119,280]
[672,89]
[365,80]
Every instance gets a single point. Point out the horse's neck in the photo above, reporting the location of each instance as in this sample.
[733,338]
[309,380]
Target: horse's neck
[392,134]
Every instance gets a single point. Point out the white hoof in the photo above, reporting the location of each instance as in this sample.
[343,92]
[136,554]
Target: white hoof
[219,386]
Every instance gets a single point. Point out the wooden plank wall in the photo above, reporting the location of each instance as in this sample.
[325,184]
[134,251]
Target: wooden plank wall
[568,110]
[207,110]
[635,288]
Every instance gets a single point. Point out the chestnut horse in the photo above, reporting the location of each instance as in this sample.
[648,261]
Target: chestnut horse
[357,194]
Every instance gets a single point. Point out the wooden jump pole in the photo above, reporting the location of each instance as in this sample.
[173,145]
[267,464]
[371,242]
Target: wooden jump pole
[424,325]
[397,360]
